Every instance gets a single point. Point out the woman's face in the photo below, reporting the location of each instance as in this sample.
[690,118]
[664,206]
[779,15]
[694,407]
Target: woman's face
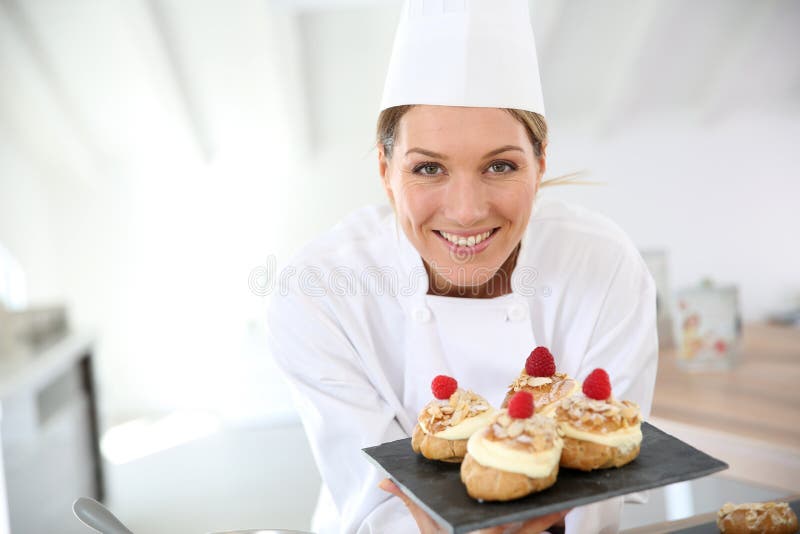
[462,181]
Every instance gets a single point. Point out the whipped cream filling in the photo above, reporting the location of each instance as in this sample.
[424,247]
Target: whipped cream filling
[497,455]
[624,439]
[465,428]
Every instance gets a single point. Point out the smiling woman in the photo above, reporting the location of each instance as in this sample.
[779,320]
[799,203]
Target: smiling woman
[487,271]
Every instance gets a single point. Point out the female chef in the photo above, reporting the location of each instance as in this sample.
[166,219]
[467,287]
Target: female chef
[463,273]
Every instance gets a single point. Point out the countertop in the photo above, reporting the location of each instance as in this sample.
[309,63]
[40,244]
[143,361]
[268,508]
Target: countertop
[699,524]
[28,368]
[759,398]
[747,416]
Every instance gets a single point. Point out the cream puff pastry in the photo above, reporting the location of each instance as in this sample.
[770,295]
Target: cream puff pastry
[539,377]
[598,430]
[516,455]
[761,518]
[446,422]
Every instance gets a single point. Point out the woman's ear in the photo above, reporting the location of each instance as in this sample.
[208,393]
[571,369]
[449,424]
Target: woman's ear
[542,160]
[383,169]
[383,164]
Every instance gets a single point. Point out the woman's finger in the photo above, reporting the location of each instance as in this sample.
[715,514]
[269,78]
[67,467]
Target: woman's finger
[425,523]
[500,529]
[390,487]
[538,524]
[531,526]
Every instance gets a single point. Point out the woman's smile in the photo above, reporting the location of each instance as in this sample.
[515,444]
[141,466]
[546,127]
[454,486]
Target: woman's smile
[471,242]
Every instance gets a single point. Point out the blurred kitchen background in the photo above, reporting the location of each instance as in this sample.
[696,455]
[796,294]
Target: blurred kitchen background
[158,157]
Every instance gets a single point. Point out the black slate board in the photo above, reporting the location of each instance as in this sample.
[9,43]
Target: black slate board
[437,487]
[711,526]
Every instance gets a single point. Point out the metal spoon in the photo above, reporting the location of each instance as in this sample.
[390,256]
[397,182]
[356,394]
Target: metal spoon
[95,515]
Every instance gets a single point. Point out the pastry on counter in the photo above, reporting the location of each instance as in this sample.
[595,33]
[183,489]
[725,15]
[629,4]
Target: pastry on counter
[539,378]
[446,422]
[599,431]
[516,455]
[760,518]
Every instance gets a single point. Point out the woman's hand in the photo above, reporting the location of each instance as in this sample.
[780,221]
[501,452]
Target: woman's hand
[427,525]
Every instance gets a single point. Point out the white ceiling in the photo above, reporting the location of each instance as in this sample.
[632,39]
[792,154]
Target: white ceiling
[89,85]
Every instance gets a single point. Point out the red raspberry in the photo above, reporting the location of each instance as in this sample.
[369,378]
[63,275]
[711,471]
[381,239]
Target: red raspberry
[443,386]
[597,385]
[521,405]
[540,363]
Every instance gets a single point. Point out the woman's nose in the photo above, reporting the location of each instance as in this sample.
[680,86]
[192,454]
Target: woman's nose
[466,201]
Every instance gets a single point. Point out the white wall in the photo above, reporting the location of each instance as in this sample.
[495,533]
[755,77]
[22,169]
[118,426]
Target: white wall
[721,199]
[159,260]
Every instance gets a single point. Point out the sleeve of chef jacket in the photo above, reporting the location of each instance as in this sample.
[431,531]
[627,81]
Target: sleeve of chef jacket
[625,343]
[340,409]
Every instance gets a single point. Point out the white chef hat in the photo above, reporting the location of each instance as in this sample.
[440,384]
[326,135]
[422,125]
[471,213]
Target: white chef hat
[477,53]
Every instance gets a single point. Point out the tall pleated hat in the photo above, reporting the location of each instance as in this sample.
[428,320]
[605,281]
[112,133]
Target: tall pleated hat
[477,53]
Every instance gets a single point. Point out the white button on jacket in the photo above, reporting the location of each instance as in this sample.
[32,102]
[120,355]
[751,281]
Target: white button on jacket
[422,314]
[360,344]
[518,312]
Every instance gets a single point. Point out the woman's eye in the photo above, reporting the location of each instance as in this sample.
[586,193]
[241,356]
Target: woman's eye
[501,167]
[428,169]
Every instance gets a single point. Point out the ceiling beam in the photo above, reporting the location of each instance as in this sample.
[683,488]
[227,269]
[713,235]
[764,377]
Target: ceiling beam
[299,6]
[190,104]
[549,19]
[620,75]
[715,101]
[40,59]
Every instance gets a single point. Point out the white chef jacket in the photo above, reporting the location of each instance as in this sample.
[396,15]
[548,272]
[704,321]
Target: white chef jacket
[359,340]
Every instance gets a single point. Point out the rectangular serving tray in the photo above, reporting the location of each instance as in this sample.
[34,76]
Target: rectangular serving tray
[437,487]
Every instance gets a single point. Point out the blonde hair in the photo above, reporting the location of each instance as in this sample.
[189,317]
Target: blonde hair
[534,123]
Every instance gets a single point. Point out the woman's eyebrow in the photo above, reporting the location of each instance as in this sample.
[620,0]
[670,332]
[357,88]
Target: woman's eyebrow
[436,155]
[502,149]
[424,152]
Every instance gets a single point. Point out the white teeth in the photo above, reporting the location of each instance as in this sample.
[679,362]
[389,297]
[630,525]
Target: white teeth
[465,241]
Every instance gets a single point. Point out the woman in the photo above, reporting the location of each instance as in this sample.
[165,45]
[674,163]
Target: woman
[463,275]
